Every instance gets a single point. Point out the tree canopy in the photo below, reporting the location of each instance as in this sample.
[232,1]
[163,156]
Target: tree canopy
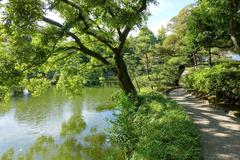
[97,29]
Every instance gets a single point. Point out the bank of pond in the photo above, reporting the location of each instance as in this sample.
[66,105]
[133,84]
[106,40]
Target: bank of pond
[98,124]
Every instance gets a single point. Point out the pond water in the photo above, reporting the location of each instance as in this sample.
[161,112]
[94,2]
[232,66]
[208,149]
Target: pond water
[53,126]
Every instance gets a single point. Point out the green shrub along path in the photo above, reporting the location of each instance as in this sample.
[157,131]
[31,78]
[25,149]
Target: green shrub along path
[221,81]
[219,133]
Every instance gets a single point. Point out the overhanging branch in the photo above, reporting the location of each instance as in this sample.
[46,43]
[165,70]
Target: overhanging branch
[82,47]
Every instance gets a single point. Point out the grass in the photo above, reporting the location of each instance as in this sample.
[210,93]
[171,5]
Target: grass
[159,130]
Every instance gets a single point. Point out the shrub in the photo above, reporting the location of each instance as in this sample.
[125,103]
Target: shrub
[223,81]
[169,73]
[160,129]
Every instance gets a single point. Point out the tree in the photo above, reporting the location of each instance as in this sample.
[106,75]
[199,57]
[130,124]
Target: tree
[103,22]
[178,29]
[132,59]
[145,42]
[204,33]
[225,16]
[161,36]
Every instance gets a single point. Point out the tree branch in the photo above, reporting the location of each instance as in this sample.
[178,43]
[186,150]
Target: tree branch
[66,49]
[123,37]
[80,16]
[104,41]
[71,4]
[82,48]
[62,58]
[143,7]
[223,47]
[87,25]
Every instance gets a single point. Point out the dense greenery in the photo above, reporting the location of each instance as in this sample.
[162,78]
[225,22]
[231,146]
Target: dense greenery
[212,28]
[79,51]
[92,44]
[221,81]
[89,31]
[160,60]
[69,54]
[160,129]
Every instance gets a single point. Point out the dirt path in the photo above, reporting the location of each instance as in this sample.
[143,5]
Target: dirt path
[219,133]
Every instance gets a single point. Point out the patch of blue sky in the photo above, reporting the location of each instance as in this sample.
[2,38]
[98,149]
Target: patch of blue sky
[162,13]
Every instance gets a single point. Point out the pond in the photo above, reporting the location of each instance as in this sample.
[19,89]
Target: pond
[54,126]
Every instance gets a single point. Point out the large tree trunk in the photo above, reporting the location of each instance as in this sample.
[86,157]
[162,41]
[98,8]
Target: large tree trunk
[123,76]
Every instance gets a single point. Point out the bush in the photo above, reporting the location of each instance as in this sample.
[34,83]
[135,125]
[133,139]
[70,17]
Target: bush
[160,129]
[222,81]
[169,73]
[163,76]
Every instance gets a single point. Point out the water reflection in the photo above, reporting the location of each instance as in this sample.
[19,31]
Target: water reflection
[95,146]
[54,127]
[75,125]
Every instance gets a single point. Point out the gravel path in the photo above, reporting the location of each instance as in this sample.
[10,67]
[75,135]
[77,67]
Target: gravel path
[219,133]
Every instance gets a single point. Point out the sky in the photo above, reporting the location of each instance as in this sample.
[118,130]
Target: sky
[164,11]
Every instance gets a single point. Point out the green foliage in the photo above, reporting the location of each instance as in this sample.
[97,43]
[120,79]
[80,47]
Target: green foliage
[202,29]
[71,84]
[159,129]
[8,155]
[145,40]
[176,41]
[8,68]
[170,71]
[214,23]
[123,132]
[36,86]
[95,29]
[4,94]
[157,63]
[77,72]
[222,81]
[161,36]
[23,15]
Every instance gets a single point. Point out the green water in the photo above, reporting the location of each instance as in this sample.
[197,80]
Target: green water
[53,126]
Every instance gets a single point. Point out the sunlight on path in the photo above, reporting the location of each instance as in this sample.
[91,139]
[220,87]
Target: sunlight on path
[219,133]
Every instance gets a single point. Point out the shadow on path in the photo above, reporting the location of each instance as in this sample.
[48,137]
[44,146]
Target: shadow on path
[219,133]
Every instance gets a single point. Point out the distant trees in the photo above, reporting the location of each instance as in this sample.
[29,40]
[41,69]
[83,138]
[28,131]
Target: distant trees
[203,33]
[161,36]
[144,48]
[158,59]
[225,16]
[213,24]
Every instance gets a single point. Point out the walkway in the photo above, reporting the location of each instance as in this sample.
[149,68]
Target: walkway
[219,133]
